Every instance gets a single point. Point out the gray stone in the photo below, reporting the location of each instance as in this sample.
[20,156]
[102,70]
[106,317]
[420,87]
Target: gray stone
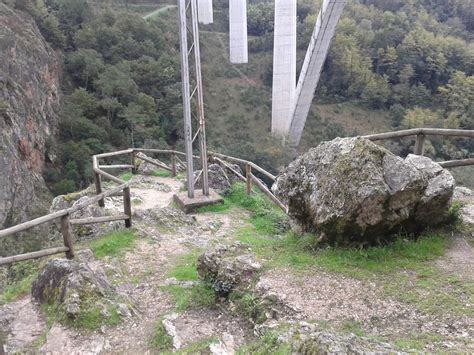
[74,288]
[227,268]
[353,191]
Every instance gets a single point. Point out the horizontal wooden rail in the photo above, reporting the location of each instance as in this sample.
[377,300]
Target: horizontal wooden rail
[52,216]
[33,255]
[92,220]
[118,166]
[151,161]
[456,163]
[267,192]
[244,162]
[111,154]
[421,131]
[108,176]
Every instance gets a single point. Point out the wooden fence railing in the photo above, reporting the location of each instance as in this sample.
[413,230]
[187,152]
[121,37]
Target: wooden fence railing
[123,189]
[421,133]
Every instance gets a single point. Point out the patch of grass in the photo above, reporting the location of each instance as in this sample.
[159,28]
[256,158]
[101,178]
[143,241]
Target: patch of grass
[267,344]
[198,296]
[126,176]
[417,341]
[113,244]
[249,306]
[454,217]
[161,341]
[264,214]
[185,268]
[19,280]
[161,173]
[200,347]
[90,317]
[17,289]
[351,326]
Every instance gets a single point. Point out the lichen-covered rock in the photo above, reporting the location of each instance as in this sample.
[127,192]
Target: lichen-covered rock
[226,268]
[165,217]
[218,179]
[354,191]
[76,290]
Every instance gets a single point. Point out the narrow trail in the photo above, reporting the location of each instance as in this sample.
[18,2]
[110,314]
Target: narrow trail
[158,11]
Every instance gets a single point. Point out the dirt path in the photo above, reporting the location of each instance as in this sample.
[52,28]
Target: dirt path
[157,11]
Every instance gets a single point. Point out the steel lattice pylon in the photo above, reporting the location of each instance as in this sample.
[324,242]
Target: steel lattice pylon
[193,104]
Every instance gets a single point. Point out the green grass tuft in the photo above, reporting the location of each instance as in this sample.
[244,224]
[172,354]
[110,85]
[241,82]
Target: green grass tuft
[161,341]
[20,278]
[198,296]
[264,214]
[113,244]
[126,176]
[17,289]
[267,344]
[161,173]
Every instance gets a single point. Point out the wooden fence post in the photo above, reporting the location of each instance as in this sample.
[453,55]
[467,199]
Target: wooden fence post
[248,176]
[127,206]
[173,165]
[98,187]
[132,162]
[66,231]
[420,140]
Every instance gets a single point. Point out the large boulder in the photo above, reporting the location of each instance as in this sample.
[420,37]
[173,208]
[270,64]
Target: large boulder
[351,191]
[78,293]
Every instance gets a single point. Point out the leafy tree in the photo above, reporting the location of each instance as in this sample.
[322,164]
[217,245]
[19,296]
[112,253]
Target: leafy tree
[84,66]
[418,117]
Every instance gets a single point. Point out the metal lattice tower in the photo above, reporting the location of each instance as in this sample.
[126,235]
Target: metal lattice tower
[193,104]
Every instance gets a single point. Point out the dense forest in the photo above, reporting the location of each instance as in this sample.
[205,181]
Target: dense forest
[411,61]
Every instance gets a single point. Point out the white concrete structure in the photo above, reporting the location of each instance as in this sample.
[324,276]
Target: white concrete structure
[313,63]
[205,14]
[238,31]
[284,65]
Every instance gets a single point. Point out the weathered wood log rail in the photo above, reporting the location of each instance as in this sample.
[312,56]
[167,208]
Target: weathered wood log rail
[123,189]
[421,133]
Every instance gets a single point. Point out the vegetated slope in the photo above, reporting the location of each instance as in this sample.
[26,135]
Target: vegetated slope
[392,64]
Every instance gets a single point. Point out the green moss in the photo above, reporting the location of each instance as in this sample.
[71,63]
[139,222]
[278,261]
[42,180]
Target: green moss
[114,244]
[73,196]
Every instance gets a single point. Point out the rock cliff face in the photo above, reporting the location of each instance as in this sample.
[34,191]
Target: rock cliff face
[29,115]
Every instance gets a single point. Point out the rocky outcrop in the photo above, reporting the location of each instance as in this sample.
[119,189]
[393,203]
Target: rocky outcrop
[29,106]
[218,179]
[77,292]
[226,268]
[351,190]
